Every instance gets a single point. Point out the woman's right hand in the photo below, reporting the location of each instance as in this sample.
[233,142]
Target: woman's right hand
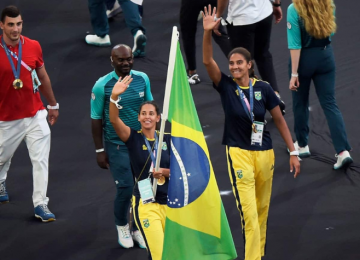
[294,83]
[122,85]
[209,19]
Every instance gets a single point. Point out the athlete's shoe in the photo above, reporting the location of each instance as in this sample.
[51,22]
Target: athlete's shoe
[193,79]
[303,151]
[343,160]
[42,211]
[282,103]
[114,11]
[139,44]
[4,196]
[125,240]
[138,238]
[93,39]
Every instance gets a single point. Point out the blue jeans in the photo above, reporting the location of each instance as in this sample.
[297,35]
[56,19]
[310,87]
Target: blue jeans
[318,64]
[120,168]
[99,20]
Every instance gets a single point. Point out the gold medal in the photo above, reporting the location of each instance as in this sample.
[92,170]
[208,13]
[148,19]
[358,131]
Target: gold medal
[254,128]
[161,181]
[17,84]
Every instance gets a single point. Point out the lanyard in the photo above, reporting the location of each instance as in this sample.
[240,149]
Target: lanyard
[16,58]
[7,51]
[150,150]
[244,100]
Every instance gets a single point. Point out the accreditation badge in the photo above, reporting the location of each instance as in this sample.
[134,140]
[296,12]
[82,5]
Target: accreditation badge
[257,133]
[146,191]
[35,80]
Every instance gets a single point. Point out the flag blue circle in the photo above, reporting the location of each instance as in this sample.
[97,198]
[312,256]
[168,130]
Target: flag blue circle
[195,176]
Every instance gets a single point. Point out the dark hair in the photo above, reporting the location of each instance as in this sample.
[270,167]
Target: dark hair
[10,11]
[150,103]
[252,70]
[242,51]
[247,55]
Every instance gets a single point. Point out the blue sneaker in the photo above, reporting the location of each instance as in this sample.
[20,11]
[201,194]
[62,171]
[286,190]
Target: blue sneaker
[139,44]
[4,196]
[42,211]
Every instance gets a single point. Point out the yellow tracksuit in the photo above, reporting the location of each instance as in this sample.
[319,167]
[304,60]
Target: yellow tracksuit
[251,175]
[150,220]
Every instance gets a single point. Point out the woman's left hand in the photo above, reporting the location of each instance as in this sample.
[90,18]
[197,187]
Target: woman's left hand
[158,174]
[122,85]
[294,164]
[294,83]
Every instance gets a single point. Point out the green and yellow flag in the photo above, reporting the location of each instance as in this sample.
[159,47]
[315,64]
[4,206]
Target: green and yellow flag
[196,225]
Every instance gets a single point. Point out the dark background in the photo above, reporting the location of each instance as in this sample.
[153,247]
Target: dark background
[316,216]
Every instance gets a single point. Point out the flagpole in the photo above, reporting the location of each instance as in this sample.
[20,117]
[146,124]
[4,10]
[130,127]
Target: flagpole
[164,115]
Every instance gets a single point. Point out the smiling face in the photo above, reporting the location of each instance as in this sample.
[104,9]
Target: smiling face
[148,117]
[239,66]
[122,59]
[12,28]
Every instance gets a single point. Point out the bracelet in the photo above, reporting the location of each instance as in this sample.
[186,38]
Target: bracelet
[294,153]
[294,75]
[53,107]
[116,102]
[215,18]
[99,150]
[276,5]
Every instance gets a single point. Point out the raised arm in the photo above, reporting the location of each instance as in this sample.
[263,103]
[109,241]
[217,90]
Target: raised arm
[122,130]
[208,60]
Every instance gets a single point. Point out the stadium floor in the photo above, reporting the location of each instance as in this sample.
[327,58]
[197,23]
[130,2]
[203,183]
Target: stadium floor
[316,216]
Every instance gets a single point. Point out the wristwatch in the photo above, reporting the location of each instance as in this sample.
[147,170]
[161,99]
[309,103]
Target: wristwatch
[276,5]
[296,153]
[53,107]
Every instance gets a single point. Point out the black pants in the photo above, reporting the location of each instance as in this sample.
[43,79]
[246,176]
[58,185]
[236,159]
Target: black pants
[189,13]
[256,39]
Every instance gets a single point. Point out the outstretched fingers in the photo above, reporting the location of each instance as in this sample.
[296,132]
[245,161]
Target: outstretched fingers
[206,13]
[214,12]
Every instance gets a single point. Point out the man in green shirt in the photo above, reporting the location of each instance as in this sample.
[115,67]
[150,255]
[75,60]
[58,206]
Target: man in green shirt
[114,154]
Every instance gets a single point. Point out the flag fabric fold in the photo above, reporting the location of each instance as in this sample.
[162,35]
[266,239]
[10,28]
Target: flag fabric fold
[196,226]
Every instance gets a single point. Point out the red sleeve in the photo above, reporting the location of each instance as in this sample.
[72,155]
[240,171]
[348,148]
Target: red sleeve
[39,56]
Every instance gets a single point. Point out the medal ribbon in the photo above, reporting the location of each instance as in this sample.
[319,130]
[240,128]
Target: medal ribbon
[7,51]
[153,158]
[245,102]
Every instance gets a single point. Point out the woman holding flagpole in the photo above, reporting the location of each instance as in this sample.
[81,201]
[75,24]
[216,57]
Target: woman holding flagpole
[248,145]
[149,210]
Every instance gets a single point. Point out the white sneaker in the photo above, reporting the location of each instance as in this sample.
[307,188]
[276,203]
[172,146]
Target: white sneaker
[303,151]
[93,39]
[343,160]
[138,238]
[114,11]
[125,239]
[139,44]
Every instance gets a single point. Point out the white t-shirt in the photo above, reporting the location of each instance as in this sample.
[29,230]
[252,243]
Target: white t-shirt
[243,12]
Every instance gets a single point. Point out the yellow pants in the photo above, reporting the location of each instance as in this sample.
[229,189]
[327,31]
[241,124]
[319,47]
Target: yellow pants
[251,174]
[150,220]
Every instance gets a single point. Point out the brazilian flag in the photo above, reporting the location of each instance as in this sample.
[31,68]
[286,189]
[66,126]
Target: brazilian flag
[196,226]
